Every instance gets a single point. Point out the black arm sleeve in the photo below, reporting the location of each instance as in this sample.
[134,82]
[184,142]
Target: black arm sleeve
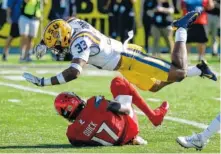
[114,107]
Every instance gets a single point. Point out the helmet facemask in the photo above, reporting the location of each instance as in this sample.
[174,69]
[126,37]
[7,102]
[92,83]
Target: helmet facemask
[72,116]
[60,51]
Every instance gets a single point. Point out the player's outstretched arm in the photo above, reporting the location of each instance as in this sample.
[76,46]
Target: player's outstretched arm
[67,75]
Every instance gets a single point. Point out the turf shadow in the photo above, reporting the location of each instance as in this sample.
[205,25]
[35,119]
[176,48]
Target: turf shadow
[40,146]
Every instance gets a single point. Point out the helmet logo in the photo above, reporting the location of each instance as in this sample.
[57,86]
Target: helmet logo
[49,38]
[56,34]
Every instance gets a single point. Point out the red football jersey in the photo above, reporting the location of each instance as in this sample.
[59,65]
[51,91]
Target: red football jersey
[97,126]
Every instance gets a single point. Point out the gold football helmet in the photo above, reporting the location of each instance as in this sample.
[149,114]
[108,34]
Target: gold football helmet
[57,33]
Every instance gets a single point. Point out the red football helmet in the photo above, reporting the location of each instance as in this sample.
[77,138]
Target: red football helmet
[68,105]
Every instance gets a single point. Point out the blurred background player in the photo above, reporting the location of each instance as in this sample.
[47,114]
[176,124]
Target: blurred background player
[198,33]
[214,25]
[12,16]
[198,141]
[3,8]
[176,7]
[62,9]
[29,22]
[89,46]
[162,20]
[112,7]
[146,15]
[126,18]
[102,122]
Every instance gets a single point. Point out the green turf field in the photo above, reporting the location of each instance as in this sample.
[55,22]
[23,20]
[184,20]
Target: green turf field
[29,123]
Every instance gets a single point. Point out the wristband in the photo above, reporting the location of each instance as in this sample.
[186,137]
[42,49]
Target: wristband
[46,82]
[60,78]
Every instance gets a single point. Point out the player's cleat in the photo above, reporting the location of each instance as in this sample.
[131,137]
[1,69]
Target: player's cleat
[28,59]
[160,113]
[206,71]
[194,141]
[187,20]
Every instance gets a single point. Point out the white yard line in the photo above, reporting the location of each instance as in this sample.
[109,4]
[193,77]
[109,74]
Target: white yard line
[153,100]
[178,120]
[42,72]
[14,100]
[16,86]
[4,72]
[13,77]
[218,99]
[183,121]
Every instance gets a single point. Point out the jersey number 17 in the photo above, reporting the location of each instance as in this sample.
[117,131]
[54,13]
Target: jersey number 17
[104,127]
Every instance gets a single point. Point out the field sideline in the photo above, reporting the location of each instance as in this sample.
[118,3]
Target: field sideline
[29,123]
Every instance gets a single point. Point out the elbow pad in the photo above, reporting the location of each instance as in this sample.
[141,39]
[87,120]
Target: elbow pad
[76,66]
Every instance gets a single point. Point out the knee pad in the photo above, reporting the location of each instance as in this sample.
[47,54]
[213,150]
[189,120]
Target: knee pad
[119,87]
[181,76]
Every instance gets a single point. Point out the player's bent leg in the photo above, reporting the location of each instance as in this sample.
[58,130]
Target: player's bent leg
[179,56]
[179,65]
[120,86]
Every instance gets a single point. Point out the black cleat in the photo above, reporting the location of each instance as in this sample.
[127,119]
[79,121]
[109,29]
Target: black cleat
[186,20]
[206,72]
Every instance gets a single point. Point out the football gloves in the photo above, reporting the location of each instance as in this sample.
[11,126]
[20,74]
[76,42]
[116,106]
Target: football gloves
[40,50]
[33,79]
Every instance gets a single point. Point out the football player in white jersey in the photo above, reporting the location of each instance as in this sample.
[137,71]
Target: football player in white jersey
[88,45]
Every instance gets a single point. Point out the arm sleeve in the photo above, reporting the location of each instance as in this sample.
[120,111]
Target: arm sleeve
[80,48]
[119,108]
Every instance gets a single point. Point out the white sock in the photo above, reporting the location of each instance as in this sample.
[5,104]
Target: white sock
[126,102]
[193,71]
[213,128]
[181,35]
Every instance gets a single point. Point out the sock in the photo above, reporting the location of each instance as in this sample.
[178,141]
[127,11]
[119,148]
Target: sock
[215,48]
[193,71]
[125,101]
[201,57]
[211,129]
[142,105]
[181,35]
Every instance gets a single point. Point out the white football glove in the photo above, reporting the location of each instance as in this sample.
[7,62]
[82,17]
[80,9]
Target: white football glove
[40,50]
[33,79]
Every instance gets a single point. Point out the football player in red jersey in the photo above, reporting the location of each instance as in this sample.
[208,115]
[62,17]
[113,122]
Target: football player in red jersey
[99,121]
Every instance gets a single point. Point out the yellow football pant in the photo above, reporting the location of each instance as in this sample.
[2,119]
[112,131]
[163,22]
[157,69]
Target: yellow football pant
[141,69]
